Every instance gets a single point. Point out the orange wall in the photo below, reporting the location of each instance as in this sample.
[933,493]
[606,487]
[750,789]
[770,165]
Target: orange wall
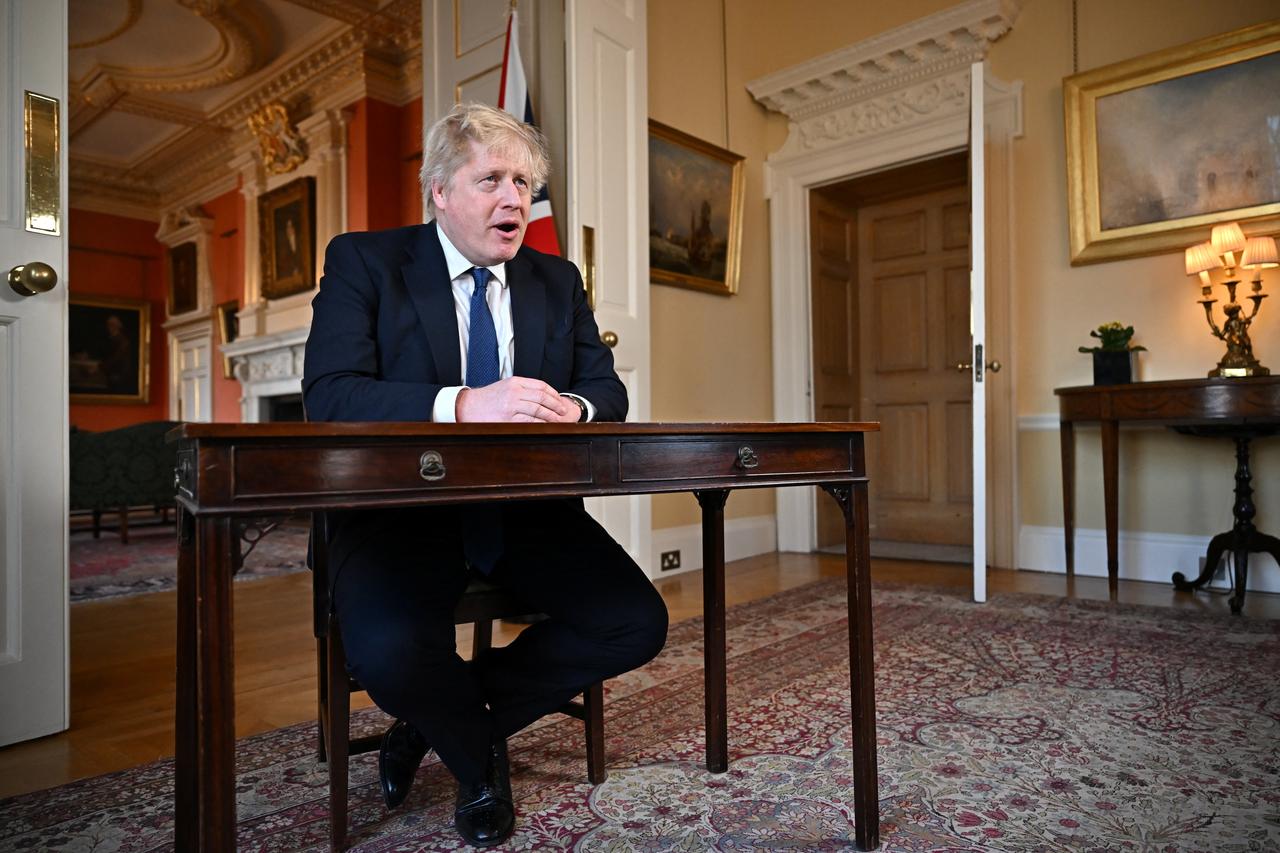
[410,162]
[373,166]
[226,266]
[119,257]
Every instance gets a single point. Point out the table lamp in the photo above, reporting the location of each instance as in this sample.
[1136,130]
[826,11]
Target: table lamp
[1219,252]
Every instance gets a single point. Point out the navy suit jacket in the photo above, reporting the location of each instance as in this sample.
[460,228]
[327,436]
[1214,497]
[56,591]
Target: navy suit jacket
[384,335]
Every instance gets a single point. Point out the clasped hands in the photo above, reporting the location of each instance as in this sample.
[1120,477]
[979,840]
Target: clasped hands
[517,399]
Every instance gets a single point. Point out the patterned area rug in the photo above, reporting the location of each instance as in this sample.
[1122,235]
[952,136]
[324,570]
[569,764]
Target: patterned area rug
[1030,723]
[103,568]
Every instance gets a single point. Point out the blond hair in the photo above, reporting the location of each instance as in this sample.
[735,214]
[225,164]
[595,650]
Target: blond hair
[448,146]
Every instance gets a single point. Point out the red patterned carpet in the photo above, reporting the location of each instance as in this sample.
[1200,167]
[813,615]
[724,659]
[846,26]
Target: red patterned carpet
[104,568]
[1030,723]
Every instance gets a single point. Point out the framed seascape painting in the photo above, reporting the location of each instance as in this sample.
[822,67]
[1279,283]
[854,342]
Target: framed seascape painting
[1162,146]
[287,235]
[109,342]
[695,212]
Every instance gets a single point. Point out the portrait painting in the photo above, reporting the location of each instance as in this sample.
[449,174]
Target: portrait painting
[184,295]
[286,231]
[1162,146]
[109,342]
[695,211]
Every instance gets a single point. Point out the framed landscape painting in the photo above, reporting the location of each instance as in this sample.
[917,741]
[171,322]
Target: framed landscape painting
[1161,147]
[109,343]
[695,212]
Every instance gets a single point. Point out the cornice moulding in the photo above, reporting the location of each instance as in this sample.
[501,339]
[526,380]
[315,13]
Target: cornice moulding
[914,52]
[112,203]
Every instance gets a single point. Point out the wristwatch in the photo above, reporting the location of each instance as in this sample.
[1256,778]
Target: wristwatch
[581,405]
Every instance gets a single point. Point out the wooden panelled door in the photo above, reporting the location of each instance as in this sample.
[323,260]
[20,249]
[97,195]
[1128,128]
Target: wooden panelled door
[914,300]
[833,235]
[890,294]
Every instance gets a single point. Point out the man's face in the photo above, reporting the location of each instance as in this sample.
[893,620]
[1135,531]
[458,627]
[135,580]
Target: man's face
[484,209]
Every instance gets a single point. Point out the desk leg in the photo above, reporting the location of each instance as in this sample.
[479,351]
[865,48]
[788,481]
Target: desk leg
[1241,540]
[187,778]
[1111,502]
[714,664]
[205,715]
[1067,436]
[862,670]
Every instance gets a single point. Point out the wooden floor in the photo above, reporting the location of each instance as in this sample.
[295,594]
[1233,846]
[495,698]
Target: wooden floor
[122,654]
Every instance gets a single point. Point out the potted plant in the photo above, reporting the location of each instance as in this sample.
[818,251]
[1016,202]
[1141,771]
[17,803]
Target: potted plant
[1113,359]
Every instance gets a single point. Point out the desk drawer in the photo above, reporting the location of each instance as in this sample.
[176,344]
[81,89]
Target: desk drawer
[428,465]
[747,457]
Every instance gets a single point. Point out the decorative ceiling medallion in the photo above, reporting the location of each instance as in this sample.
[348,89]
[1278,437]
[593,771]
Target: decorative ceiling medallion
[282,149]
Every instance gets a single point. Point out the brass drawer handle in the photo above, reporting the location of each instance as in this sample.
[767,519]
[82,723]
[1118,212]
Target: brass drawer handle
[431,466]
[747,458]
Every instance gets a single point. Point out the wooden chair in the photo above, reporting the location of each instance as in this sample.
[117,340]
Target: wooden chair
[480,605]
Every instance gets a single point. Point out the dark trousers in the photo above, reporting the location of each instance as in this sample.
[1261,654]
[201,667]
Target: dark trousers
[398,578]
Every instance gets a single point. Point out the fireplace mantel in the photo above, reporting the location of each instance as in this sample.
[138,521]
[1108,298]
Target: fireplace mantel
[267,366]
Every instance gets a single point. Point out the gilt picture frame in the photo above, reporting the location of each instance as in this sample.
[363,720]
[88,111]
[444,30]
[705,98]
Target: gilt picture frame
[228,324]
[695,212]
[1163,146]
[286,238]
[109,349]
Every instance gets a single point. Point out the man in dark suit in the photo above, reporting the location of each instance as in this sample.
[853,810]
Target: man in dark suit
[456,321]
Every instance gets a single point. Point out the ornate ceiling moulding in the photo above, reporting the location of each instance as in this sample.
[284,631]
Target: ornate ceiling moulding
[133,11]
[399,22]
[382,58]
[280,146]
[243,37]
[924,50]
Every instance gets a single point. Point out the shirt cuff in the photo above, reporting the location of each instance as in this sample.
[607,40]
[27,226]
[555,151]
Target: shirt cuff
[591,410]
[444,410]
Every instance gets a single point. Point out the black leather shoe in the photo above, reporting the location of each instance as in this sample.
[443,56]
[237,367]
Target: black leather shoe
[403,749]
[484,813]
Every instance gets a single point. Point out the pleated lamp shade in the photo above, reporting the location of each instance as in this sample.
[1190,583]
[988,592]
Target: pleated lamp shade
[1260,254]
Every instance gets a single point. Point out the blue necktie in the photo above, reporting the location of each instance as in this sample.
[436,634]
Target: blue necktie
[482,525]
[482,342]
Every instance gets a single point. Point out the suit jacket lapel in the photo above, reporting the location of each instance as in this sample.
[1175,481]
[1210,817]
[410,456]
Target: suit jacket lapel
[528,316]
[426,276]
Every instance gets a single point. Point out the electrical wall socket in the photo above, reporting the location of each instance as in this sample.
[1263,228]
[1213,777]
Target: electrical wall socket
[669,560]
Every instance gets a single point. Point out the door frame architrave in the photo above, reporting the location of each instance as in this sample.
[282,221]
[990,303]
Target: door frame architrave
[831,139]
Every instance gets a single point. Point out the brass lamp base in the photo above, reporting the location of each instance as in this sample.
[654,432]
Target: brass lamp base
[1234,372]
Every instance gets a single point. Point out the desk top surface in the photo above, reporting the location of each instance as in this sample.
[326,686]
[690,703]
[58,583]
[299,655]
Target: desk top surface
[1220,383]
[232,431]
[1245,401]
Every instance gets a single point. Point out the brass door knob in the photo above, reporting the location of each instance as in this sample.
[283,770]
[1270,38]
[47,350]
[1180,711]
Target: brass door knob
[30,279]
[610,339]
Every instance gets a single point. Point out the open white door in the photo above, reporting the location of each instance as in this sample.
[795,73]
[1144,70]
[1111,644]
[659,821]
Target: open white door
[608,188]
[978,318]
[33,370]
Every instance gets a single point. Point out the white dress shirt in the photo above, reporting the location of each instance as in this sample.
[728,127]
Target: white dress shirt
[499,298]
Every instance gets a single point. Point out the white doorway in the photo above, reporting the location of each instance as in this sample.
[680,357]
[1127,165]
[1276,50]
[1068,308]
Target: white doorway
[911,111]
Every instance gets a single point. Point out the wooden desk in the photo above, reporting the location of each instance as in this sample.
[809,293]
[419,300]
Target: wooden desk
[1235,408]
[233,475]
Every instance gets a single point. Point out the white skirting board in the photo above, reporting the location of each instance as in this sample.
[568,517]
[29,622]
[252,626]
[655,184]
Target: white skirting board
[1143,556]
[743,537]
